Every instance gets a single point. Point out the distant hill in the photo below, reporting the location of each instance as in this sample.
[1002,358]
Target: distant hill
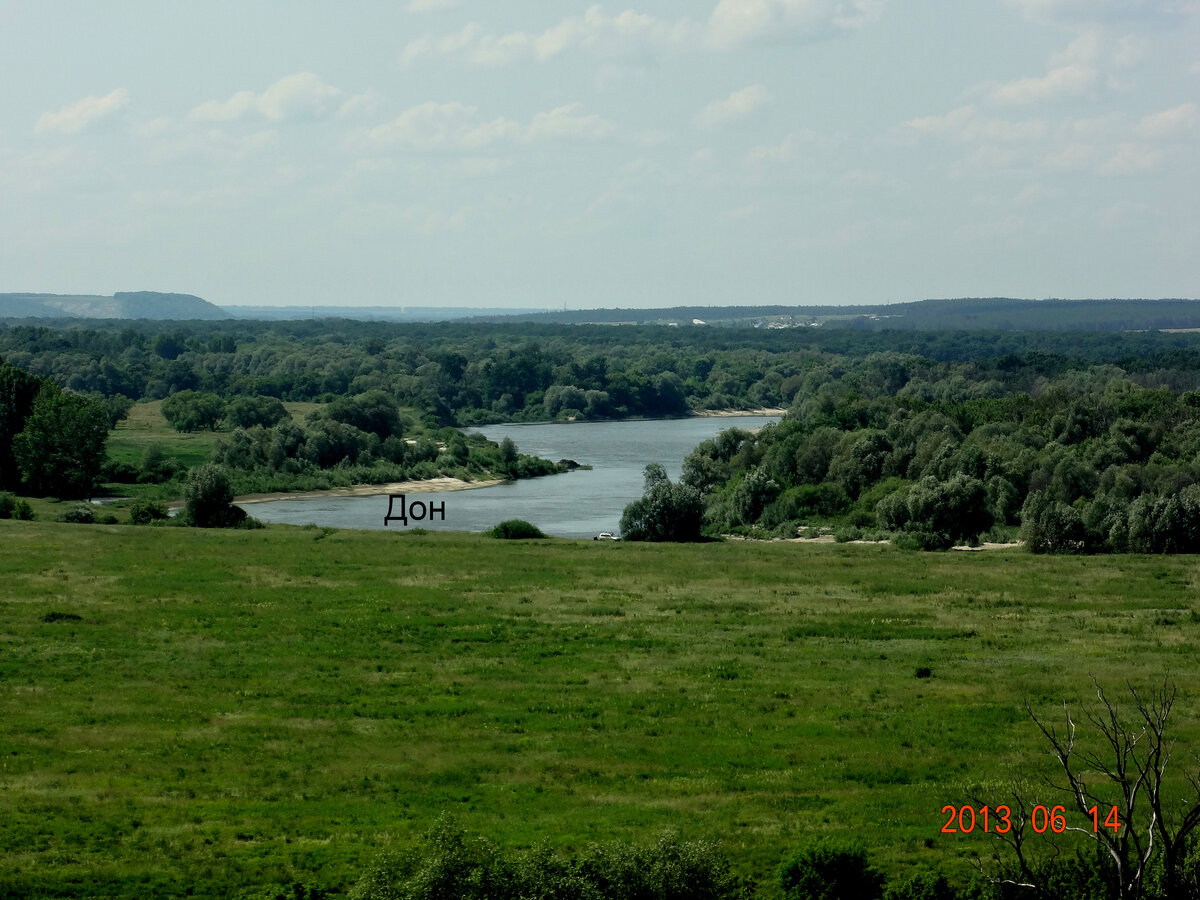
[994,314]
[122,305]
[376,313]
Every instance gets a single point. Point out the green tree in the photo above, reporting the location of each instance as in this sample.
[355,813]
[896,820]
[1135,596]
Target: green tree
[209,499]
[18,391]
[665,512]
[61,448]
[245,412]
[193,411]
[830,872]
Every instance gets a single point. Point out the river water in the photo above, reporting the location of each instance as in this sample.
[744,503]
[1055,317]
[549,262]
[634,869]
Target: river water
[577,504]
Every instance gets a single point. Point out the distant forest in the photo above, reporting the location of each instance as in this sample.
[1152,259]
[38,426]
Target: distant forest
[997,313]
[1084,441]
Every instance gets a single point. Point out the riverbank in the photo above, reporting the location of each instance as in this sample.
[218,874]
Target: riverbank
[731,413]
[425,486]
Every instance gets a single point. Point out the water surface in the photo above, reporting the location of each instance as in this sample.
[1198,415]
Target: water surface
[578,504]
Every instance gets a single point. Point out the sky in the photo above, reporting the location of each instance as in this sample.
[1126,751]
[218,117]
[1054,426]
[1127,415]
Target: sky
[578,155]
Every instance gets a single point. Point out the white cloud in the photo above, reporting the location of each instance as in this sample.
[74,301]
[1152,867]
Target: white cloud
[789,148]
[737,22]
[458,127]
[736,106]
[731,24]
[83,113]
[1104,10]
[1167,122]
[441,126]
[593,31]
[1132,159]
[302,95]
[966,124]
[420,6]
[1065,81]
[565,122]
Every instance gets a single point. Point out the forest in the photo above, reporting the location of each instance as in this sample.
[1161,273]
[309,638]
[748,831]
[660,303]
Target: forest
[1077,442]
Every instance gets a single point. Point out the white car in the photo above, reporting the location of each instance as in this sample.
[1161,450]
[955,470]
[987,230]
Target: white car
[605,536]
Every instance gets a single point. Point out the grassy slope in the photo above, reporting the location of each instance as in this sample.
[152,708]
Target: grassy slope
[249,708]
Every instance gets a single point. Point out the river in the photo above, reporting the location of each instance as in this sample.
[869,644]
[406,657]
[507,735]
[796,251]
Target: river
[582,503]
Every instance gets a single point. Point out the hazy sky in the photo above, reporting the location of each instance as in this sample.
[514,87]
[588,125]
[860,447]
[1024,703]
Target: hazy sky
[459,153]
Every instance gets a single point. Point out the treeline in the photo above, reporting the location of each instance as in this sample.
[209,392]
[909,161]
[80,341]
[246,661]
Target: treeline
[451,863]
[461,374]
[1089,460]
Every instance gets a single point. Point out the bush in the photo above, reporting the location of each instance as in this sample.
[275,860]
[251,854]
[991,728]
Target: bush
[156,466]
[23,511]
[119,472]
[209,499]
[7,504]
[927,884]
[843,534]
[80,514]
[666,511]
[453,864]
[516,530]
[143,512]
[830,872]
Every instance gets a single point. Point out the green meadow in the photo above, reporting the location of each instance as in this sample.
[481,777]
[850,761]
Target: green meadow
[226,713]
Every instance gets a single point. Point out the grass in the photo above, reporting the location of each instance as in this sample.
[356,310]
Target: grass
[239,710]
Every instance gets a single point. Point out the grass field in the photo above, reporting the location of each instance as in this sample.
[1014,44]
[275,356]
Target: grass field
[234,710]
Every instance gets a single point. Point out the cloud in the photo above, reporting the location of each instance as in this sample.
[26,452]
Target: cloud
[299,96]
[564,122]
[1167,122]
[420,6]
[737,22]
[966,124]
[458,127]
[736,106]
[593,31]
[1105,10]
[1065,81]
[789,148]
[1132,159]
[732,24]
[83,113]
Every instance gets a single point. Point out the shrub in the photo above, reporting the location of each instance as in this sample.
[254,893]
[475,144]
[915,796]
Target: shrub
[926,884]
[453,864]
[119,472]
[80,514]
[143,512]
[210,499]
[516,530]
[23,511]
[828,871]
[845,533]
[666,511]
[7,504]
[156,466]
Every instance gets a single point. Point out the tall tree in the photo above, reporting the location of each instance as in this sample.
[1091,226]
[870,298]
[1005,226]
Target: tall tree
[18,391]
[61,449]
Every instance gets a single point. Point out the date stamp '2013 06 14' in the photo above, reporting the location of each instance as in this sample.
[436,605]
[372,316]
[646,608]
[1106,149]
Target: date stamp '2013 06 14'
[998,819]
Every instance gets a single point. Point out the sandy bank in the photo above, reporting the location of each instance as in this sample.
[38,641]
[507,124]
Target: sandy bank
[728,413]
[425,486]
